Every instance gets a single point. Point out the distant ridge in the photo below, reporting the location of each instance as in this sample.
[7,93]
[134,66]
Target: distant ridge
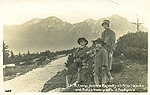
[54,34]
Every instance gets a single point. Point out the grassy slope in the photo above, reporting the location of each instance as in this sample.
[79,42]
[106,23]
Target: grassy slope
[124,72]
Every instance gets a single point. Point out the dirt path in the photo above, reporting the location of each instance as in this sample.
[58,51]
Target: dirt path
[34,80]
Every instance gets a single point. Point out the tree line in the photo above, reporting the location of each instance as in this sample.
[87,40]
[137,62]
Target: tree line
[133,46]
[9,57]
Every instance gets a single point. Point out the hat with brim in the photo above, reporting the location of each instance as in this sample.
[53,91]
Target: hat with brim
[106,22]
[82,39]
[99,41]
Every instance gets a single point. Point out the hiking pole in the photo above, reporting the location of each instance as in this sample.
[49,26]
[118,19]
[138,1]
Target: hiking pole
[67,83]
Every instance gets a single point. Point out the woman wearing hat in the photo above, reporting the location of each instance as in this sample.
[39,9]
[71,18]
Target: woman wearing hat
[109,37]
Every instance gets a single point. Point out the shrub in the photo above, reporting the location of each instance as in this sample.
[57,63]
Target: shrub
[42,58]
[133,46]
[136,53]
[28,62]
[8,73]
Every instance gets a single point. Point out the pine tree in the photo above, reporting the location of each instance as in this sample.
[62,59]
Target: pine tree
[12,57]
[12,54]
[19,54]
[5,54]
[28,52]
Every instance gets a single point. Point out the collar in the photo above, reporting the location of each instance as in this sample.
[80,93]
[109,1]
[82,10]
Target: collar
[82,47]
[107,29]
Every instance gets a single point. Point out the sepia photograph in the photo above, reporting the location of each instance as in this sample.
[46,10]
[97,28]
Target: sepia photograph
[74,46]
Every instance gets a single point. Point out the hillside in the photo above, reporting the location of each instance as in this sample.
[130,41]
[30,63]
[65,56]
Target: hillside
[54,34]
[123,73]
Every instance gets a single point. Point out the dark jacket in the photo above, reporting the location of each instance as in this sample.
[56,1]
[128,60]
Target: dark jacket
[81,53]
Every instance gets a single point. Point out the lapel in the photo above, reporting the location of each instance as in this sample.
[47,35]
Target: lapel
[82,50]
[106,33]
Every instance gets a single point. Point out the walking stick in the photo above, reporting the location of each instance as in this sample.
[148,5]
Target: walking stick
[67,83]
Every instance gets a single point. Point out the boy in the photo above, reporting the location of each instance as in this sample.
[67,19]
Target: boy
[80,58]
[101,62]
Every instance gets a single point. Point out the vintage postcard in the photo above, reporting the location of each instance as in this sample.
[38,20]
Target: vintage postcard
[74,46]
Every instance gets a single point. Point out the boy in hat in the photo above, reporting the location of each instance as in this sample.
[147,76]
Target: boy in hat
[80,56]
[109,37]
[101,62]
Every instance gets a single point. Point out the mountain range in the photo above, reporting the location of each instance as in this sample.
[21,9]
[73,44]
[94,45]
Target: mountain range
[53,34]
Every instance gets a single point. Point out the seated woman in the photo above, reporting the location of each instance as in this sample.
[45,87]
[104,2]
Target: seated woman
[80,58]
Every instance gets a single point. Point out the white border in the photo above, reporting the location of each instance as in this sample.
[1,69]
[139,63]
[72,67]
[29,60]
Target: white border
[1,54]
[95,93]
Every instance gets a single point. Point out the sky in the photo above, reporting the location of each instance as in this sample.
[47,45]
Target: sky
[72,11]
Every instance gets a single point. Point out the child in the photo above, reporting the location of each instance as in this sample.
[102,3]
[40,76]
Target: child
[101,62]
[80,56]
